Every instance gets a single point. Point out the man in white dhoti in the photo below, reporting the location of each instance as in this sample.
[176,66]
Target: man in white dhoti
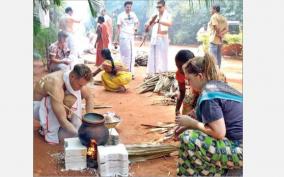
[158,57]
[55,90]
[66,23]
[127,25]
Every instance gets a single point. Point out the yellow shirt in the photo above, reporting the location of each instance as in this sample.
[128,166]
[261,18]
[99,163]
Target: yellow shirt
[221,23]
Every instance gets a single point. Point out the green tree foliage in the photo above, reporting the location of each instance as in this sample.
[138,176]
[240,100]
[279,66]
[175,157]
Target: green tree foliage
[43,37]
[95,6]
[190,16]
[233,38]
[187,20]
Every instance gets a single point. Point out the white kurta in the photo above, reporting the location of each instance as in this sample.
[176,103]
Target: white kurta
[158,56]
[126,39]
[48,121]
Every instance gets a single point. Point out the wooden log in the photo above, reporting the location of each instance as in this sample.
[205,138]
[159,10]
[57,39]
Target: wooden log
[101,106]
[150,126]
[134,159]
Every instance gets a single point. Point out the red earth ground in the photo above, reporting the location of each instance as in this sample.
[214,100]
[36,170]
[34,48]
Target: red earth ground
[134,109]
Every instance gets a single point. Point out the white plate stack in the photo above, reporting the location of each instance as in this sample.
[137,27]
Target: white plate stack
[113,137]
[75,154]
[113,160]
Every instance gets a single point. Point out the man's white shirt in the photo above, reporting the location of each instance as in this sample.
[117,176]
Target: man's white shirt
[127,23]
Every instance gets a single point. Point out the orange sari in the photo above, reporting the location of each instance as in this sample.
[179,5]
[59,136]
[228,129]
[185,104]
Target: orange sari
[102,43]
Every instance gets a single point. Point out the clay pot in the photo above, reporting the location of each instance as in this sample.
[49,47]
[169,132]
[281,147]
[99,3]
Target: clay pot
[93,127]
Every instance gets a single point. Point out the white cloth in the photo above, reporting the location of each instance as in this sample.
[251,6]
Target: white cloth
[107,18]
[71,44]
[44,17]
[158,59]
[166,17]
[127,23]
[47,118]
[127,52]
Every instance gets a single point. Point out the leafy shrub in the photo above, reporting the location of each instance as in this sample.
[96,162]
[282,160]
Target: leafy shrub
[228,39]
[204,39]
[233,38]
[43,39]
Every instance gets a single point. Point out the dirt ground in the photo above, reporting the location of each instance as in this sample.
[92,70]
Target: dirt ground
[134,109]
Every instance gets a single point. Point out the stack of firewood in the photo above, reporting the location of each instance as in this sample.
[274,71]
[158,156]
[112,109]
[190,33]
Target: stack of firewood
[143,152]
[141,58]
[149,84]
[159,83]
[165,128]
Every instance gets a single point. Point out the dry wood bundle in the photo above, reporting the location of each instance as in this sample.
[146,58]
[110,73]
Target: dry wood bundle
[165,128]
[101,106]
[144,158]
[142,152]
[148,84]
[162,82]
[165,101]
[141,59]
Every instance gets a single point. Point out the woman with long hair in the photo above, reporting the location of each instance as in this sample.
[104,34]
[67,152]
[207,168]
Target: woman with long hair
[102,39]
[212,143]
[115,77]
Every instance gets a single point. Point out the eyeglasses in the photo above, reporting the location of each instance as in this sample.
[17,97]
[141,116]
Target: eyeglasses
[158,7]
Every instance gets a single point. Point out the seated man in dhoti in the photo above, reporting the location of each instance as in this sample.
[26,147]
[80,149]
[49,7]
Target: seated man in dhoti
[56,91]
[115,76]
[58,54]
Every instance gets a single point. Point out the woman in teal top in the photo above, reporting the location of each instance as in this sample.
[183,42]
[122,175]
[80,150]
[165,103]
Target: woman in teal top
[211,142]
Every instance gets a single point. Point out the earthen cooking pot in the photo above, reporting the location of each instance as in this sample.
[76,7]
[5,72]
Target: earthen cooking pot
[93,127]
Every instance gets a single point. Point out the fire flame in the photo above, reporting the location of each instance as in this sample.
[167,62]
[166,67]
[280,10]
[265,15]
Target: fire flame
[92,149]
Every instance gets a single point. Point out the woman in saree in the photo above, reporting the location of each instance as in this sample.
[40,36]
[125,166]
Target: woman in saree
[115,76]
[102,40]
[211,143]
